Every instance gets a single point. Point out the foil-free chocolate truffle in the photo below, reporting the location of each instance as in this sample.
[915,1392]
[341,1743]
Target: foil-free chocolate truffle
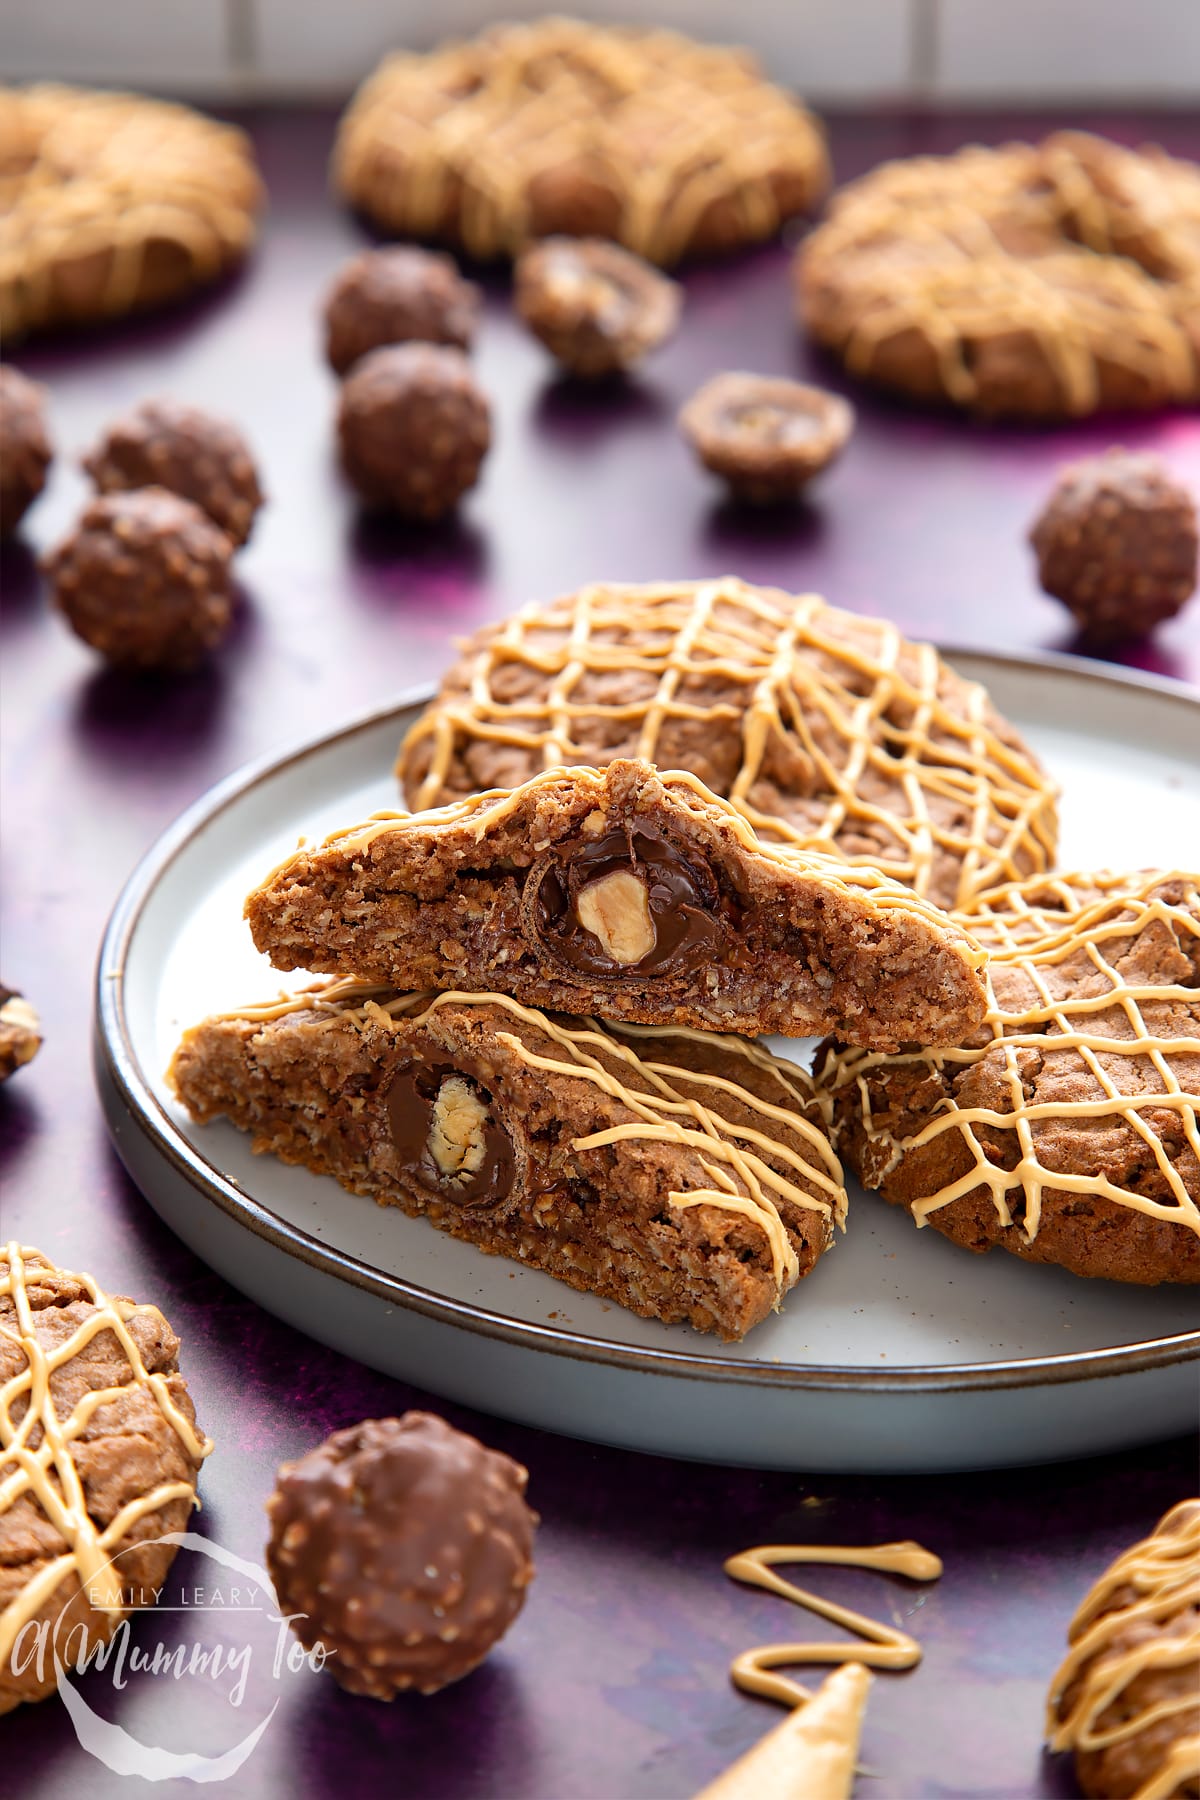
[1116,543]
[20,1032]
[396,295]
[596,307]
[163,443]
[413,428]
[144,579]
[404,1547]
[25,450]
[765,437]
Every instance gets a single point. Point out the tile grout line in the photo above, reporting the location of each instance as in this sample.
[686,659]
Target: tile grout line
[923,48]
[241,43]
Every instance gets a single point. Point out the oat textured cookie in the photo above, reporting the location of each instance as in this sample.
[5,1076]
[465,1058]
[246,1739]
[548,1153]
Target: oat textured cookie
[1065,1130]
[87,1491]
[670,147]
[1042,280]
[826,730]
[1126,1701]
[683,1175]
[111,202]
[630,895]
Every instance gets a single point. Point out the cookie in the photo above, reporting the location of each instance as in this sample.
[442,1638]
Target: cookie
[1042,280]
[680,1174]
[670,147]
[1127,1699]
[20,1032]
[825,730]
[1065,1130]
[630,895]
[88,1491]
[111,202]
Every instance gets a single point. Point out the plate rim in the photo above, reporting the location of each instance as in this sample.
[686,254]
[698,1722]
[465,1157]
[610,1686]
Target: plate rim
[118,1063]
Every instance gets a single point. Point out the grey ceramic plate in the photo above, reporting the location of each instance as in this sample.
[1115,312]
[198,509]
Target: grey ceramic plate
[901,1352]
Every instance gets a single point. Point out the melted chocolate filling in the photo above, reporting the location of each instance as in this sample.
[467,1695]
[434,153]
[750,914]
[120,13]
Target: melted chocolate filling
[683,899]
[410,1103]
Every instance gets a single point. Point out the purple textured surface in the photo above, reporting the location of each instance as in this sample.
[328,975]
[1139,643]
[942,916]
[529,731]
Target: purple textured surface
[613,1682]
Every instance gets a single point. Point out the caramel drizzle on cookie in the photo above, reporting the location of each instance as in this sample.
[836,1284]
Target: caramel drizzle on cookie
[880,1646]
[1033,927]
[733,1155]
[46,1471]
[981,247]
[666,126]
[110,175]
[1152,1585]
[791,657]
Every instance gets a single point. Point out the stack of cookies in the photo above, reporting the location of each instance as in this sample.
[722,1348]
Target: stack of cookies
[652,824]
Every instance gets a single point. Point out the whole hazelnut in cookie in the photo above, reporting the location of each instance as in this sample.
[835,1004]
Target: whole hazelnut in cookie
[402,1546]
[25,451]
[163,443]
[144,579]
[394,296]
[414,428]
[1116,543]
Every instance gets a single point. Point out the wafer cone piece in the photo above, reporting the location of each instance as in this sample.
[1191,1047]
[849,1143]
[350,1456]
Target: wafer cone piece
[812,1755]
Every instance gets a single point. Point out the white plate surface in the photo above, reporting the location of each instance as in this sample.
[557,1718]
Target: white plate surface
[900,1352]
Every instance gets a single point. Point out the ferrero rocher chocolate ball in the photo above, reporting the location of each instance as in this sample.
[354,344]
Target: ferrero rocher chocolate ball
[396,295]
[25,451]
[403,1547]
[144,579]
[162,443]
[1116,543]
[413,428]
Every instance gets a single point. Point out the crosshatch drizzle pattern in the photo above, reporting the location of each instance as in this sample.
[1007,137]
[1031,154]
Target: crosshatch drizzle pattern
[112,201]
[36,1459]
[1070,1039]
[826,731]
[1086,250]
[644,136]
[1134,1664]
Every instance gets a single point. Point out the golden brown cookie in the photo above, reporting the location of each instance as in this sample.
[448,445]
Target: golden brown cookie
[99,1455]
[630,895]
[826,730]
[112,202]
[682,1174]
[670,147]
[1042,280]
[1127,1699]
[1065,1130]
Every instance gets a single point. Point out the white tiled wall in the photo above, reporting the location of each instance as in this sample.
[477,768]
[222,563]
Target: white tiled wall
[973,51]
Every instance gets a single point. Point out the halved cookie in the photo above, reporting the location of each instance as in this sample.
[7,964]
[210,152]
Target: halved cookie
[682,1175]
[1066,1128]
[630,894]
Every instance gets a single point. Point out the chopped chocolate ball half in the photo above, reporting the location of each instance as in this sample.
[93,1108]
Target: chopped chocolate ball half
[766,437]
[404,1547]
[1116,543]
[20,1032]
[162,443]
[596,307]
[414,428]
[396,295]
[25,450]
[144,579]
